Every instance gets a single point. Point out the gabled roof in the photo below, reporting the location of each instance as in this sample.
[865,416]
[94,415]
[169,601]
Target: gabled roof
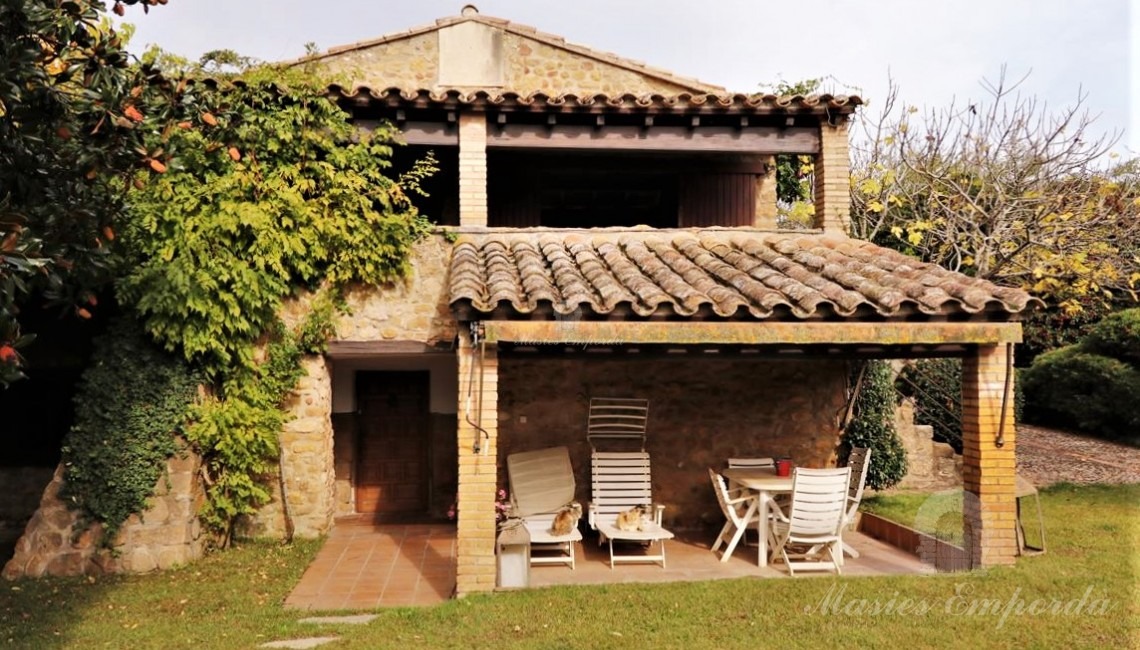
[470,14]
[709,273]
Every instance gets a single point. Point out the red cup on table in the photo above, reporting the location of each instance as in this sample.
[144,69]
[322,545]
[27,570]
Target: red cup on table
[784,467]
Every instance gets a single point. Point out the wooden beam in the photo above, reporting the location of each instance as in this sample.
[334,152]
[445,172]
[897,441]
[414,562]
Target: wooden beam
[422,133]
[758,140]
[837,333]
[356,349]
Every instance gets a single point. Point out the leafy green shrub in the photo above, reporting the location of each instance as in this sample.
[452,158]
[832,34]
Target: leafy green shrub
[132,401]
[1116,336]
[873,427]
[1096,394]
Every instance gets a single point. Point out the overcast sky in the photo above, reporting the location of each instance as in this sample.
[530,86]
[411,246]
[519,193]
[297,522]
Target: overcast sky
[934,51]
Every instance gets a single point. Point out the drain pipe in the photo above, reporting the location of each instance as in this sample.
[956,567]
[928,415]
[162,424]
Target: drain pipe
[478,350]
[999,441]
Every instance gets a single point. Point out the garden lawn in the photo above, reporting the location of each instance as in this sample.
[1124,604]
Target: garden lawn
[233,600]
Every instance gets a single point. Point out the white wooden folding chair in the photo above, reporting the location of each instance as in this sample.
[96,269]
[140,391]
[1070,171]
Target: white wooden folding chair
[859,461]
[739,511]
[541,484]
[814,525]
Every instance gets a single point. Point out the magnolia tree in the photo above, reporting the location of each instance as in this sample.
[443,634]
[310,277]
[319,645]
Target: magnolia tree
[1004,189]
[69,143]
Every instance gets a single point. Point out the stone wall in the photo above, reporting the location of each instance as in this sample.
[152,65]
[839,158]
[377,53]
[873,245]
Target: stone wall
[702,411]
[536,66]
[412,309]
[318,469]
[930,465]
[166,535]
[528,65]
[408,63]
[20,492]
[307,449]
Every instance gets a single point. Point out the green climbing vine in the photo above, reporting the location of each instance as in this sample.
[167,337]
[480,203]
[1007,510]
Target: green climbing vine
[261,190]
[130,406]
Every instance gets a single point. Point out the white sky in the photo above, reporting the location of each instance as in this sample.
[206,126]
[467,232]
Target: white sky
[934,51]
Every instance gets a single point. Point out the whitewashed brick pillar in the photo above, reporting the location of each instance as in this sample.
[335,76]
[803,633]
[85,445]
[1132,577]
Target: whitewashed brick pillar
[472,169]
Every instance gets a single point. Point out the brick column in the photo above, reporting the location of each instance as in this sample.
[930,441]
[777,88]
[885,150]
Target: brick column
[765,214]
[988,471]
[475,557]
[833,179]
[472,169]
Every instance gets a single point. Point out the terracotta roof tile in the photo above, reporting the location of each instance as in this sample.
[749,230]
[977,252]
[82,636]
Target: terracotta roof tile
[728,273]
[738,103]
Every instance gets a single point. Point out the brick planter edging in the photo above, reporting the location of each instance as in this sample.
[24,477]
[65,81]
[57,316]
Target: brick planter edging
[940,554]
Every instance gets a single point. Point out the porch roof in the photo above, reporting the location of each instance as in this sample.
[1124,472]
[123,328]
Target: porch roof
[708,275]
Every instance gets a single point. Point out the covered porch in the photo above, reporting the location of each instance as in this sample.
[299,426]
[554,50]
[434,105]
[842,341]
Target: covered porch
[529,321]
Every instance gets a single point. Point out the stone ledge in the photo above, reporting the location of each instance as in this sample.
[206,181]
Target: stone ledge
[942,555]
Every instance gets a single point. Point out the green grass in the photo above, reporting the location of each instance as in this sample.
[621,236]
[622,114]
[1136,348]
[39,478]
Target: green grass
[939,514]
[233,600]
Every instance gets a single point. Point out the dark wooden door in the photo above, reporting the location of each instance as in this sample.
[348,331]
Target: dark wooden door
[391,460]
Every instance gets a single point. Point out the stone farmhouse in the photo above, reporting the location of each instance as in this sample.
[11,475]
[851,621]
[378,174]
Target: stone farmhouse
[608,228]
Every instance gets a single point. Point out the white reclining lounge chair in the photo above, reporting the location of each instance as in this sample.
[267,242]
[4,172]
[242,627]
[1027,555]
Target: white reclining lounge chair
[541,484]
[622,481]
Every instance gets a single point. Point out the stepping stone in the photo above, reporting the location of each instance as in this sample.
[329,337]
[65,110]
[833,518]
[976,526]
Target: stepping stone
[301,644]
[357,619]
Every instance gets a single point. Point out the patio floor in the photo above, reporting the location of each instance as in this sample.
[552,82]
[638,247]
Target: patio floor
[365,566]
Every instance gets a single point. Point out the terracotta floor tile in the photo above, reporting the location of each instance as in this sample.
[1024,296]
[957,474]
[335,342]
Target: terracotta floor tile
[365,566]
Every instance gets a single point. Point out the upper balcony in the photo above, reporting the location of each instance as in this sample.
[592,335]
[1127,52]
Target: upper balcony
[532,131]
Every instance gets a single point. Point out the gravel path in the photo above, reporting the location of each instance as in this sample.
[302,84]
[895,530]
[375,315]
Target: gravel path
[1046,456]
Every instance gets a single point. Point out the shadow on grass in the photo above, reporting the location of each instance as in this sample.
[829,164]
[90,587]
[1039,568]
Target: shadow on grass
[37,613]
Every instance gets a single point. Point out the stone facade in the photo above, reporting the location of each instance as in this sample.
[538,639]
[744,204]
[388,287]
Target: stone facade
[533,66]
[702,411]
[307,455]
[413,309]
[166,535]
[930,465]
[407,63]
[528,65]
[318,466]
[20,491]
